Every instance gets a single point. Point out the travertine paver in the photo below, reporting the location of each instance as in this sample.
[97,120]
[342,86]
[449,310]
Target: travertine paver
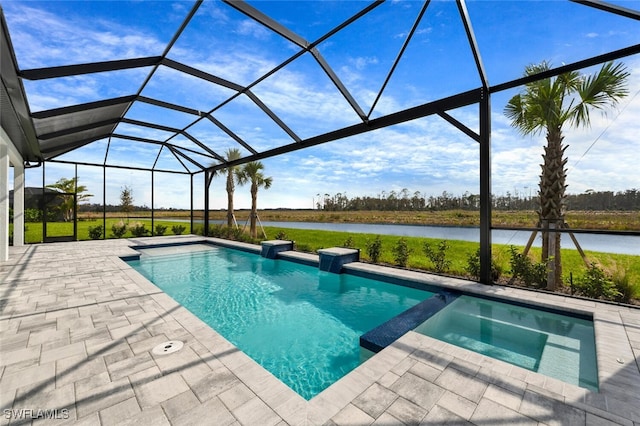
[77,327]
[407,411]
[375,400]
[120,412]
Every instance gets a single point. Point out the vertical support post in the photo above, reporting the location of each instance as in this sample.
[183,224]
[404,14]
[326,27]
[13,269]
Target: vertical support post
[75,205]
[4,202]
[485,187]
[104,202]
[18,204]
[43,205]
[207,182]
[191,192]
[152,205]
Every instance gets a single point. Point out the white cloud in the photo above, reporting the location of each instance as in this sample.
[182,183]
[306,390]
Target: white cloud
[42,39]
[252,28]
[360,63]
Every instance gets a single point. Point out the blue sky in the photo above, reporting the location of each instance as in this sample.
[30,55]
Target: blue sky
[426,155]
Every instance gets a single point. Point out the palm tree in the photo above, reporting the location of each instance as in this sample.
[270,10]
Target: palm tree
[67,187]
[232,154]
[545,106]
[252,172]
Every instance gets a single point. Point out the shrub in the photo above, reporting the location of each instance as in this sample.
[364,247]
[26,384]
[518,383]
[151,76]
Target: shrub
[138,229]
[217,231]
[596,284]
[401,252]
[348,243]
[236,234]
[233,233]
[32,215]
[473,264]
[374,249]
[179,229]
[627,290]
[438,256]
[532,274]
[95,232]
[282,236]
[303,247]
[473,267]
[118,229]
[160,229]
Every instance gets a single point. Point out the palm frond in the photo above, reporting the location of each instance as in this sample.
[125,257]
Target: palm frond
[533,69]
[252,172]
[267,182]
[542,103]
[601,90]
[233,154]
[518,112]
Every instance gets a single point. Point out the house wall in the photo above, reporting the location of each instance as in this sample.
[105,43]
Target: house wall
[9,156]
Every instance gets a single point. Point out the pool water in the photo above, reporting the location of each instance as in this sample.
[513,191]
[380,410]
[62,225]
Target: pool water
[555,345]
[301,324]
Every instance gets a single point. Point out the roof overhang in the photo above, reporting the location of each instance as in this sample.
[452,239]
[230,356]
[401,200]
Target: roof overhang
[15,115]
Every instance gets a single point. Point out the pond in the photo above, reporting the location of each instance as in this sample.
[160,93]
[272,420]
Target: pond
[621,244]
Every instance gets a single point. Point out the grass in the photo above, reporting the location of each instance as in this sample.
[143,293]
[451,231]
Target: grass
[604,220]
[458,252]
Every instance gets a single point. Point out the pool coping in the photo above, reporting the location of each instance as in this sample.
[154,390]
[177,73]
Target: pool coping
[416,360]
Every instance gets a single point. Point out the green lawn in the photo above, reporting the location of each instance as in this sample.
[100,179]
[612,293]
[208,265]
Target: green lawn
[458,252]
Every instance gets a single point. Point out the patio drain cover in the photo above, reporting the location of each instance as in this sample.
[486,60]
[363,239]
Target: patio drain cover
[168,347]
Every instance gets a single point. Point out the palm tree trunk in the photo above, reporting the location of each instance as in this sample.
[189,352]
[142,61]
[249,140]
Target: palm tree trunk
[254,210]
[552,195]
[230,190]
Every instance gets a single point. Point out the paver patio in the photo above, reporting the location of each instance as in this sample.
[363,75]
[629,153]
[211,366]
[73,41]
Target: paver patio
[78,326]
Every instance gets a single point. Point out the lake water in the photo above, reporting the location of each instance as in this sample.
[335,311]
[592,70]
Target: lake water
[623,244]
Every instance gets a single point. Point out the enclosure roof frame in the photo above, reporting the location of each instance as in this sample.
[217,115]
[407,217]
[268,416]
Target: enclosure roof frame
[46,135]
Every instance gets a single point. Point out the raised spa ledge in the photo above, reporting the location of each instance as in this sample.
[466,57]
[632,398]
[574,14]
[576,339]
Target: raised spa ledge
[385,334]
[332,259]
[271,248]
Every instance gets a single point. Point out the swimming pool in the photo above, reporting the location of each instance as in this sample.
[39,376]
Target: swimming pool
[301,324]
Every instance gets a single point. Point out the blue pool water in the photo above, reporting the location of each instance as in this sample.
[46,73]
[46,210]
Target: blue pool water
[301,324]
[304,325]
[555,345]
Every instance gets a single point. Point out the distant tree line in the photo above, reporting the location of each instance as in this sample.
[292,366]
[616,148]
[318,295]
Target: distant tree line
[406,200]
[109,208]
